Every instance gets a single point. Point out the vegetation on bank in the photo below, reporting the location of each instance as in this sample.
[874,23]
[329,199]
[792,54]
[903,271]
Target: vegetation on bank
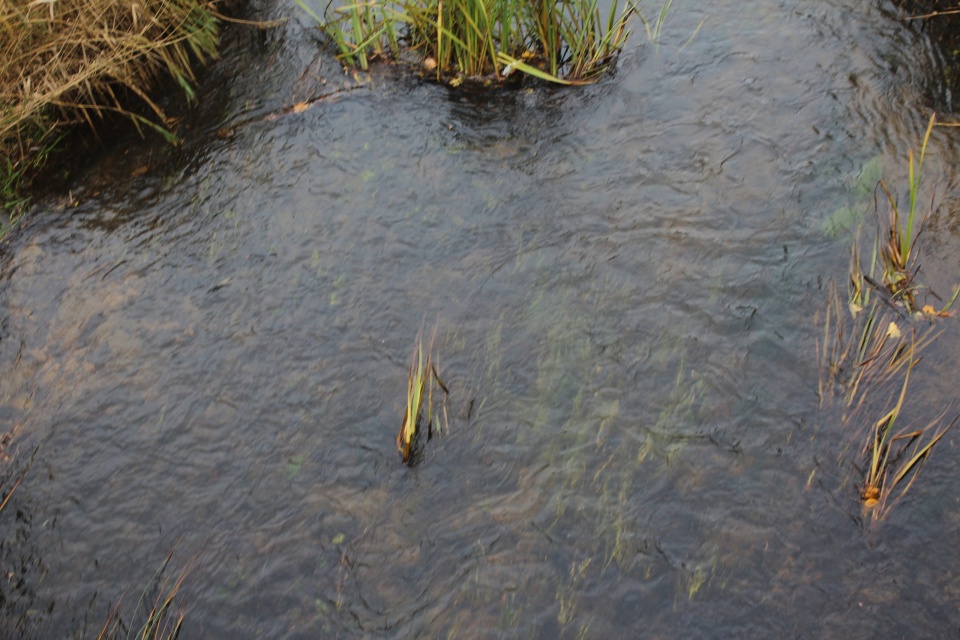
[72,61]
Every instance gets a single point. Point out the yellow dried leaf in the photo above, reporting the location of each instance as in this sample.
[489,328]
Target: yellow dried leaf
[300,107]
[893,331]
[929,310]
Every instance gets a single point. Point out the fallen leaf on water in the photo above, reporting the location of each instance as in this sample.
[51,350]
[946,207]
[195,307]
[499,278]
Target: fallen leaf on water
[300,107]
[893,331]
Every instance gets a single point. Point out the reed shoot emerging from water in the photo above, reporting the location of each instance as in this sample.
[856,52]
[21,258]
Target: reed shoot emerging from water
[422,380]
[898,241]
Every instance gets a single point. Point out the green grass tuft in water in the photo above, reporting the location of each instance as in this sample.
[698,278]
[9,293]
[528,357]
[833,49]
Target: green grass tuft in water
[423,380]
[487,40]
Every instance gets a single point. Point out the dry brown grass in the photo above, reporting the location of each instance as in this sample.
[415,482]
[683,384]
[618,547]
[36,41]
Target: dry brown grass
[68,61]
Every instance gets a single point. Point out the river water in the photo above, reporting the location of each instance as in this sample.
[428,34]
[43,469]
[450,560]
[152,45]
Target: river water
[208,348]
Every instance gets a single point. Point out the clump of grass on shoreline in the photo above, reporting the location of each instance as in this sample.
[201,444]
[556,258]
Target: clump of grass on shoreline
[486,41]
[72,61]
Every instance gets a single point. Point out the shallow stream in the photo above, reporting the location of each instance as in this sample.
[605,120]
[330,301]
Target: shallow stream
[210,347]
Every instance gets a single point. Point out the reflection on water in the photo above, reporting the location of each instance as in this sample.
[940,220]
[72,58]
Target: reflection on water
[625,278]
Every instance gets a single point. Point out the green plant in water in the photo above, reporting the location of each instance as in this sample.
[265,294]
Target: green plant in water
[421,382]
[897,250]
[566,42]
[878,297]
[862,191]
[570,43]
[361,31]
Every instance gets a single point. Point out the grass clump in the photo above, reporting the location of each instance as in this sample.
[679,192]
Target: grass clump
[72,60]
[566,41]
[422,380]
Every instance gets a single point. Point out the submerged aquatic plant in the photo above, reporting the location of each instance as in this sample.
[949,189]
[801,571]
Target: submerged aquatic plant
[422,379]
[567,42]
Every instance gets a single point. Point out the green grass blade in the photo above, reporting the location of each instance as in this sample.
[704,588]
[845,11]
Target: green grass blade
[310,12]
[519,65]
